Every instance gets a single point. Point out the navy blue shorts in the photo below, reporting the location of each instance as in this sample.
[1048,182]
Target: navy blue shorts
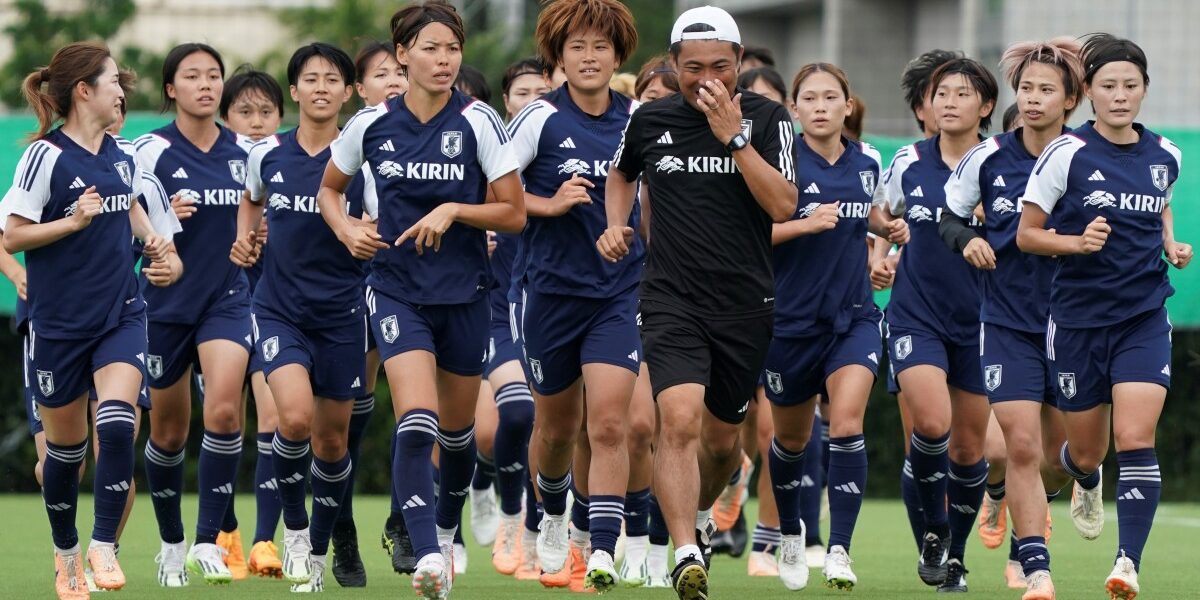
[563,333]
[796,368]
[31,409]
[456,334]
[505,344]
[1088,362]
[1015,366]
[335,357]
[173,345]
[914,347]
[59,371]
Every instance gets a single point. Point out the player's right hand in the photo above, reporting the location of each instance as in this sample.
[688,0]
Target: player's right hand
[362,241]
[824,218]
[980,254]
[614,243]
[183,207]
[87,207]
[883,273]
[245,250]
[1095,236]
[572,192]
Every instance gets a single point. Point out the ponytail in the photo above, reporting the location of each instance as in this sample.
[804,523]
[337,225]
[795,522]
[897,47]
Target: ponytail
[43,104]
[71,64]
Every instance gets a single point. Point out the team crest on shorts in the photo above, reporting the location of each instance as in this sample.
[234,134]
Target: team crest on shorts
[237,168]
[992,374]
[1066,384]
[391,328]
[127,175]
[868,181]
[154,365]
[1158,175]
[774,381]
[451,143]
[535,368]
[270,348]
[903,347]
[37,414]
[45,382]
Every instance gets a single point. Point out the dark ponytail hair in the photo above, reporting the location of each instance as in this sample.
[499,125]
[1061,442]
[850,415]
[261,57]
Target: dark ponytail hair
[73,63]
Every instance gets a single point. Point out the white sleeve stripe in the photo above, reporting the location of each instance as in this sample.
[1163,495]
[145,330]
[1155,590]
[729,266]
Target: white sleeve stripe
[1173,150]
[1062,142]
[493,119]
[524,114]
[369,109]
[33,165]
[970,154]
[786,139]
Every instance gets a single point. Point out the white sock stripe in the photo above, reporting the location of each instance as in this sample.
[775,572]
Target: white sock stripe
[1153,467]
[607,505]
[980,480]
[783,454]
[288,449]
[163,460]
[927,448]
[594,514]
[331,477]
[1150,478]
[851,447]
[553,488]
[222,446]
[123,412]
[69,455]
[115,418]
[264,447]
[459,441]
[418,422]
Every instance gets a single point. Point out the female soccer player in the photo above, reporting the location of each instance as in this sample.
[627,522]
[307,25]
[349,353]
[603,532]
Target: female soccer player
[252,106]
[828,340]
[427,287]
[933,320]
[579,316]
[656,79]
[205,317]
[72,208]
[1106,187]
[1048,79]
[308,314]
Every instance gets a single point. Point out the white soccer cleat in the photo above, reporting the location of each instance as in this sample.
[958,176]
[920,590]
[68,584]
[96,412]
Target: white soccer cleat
[316,580]
[837,571]
[208,561]
[815,555]
[553,542]
[172,572]
[485,516]
[1087,508]
[658,570]
[1122,583]
[431,579]
[633,571]
[601,574]
[793,565]
[460,559]
[297,555]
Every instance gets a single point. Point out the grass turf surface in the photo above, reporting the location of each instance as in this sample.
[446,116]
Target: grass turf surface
[883,552]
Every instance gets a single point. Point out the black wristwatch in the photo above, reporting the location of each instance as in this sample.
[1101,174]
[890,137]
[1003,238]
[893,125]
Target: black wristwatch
[737,143]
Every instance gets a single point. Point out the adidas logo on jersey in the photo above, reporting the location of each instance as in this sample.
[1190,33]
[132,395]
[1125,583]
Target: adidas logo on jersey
[812,189]
[998,181]
[164,494]
[414,502]
[179,174]
[326,501]
[387,146]
[120,486]
[963,508]
[1096,176]
[1134,494]
[665,138]
[78,184]
[918,193]
[224,488]
[567,143]
[848,488]
[277,177]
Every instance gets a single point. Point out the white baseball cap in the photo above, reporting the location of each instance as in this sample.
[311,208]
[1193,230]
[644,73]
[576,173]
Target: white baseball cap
[723,27]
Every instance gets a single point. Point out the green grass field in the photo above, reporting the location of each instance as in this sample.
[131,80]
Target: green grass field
[883,553]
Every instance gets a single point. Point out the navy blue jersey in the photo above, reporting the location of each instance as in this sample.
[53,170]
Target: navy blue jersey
[78,285]
[418,167]
[554,140]
[214,181]
[1082,176]
[821,280]
[1017,293]
[935,289]
[309,277]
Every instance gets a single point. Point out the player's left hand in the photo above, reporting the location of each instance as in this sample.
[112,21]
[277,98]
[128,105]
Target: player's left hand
[159,274]
[724,113]
[155,247]
[429,230]
[1178,254]
[898,231]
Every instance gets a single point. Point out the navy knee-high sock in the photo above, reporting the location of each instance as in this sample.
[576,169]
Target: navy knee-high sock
[329,480]
[824,451]
[964,493]
[412,477]
[220,454]
[515,406]
[912,502]
[456,466]
[637,513]
[266,496]
[765,539]
[787,469]
[1139,486]
[291,467]
[1033,554]
[114,467]
[397,504]
[360,417]
[605,514]
[1087,481]
[930,465]
[580,509]
[811,484]
[659,536]
[164,476]
[847,484]
[485,472]
[60,491]
[554,493]
[533,508]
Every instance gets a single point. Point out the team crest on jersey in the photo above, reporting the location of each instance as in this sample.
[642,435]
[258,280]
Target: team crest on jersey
[1158,175]
[45,382]
[270,348]
[237,168]
[903,347]
[1066,384]
[868,182]
[390,328]
[451,143]
[127,175]
[747,125]
[774,381]
[154,365]
[535,369]
[992,375]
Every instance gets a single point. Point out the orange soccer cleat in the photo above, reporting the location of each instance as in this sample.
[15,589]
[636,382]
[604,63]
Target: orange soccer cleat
[106,571]
[729,504]
[264,560]
[235,557]
[69,581]
[993,522]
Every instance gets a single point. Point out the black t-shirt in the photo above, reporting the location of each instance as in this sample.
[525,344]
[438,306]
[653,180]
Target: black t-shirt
[710,248]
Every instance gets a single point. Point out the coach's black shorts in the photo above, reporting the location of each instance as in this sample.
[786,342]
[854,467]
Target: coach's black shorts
[725,355]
